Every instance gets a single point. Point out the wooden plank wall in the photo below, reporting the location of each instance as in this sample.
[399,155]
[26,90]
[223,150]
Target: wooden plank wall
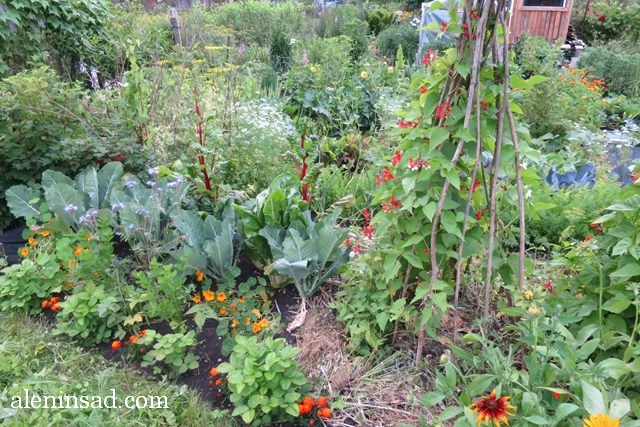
[548,22]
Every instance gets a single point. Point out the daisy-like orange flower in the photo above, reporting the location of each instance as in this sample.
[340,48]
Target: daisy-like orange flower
[32,242]
[77,250]
[324,413]
[256,328]
[490,408]
[197,299]
[199,276]
[24,252]
[222,311]
[221,297]
[208,295]
[601,420]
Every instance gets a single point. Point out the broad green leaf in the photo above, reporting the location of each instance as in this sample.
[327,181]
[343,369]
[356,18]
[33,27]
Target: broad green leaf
[564,410]
[22,201]
[108,180]
[592,399]
[627,271]
[617,304]
[614,368]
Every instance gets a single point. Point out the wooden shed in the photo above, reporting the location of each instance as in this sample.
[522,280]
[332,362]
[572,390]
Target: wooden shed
[544,18]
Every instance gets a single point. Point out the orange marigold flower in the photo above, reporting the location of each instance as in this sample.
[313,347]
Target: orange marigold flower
[219,382]
[234,323]
[197,299]
[601,420]
[45,304]
[71,263]
[44,233]
[490,408]
[256,328]
[264,323]
[199,276]
[322,402]
[116,345]
[308,400]
[214,372]
[54,300]
[247,321]
[77,250]
[143,333]
[222,311]
[221,297]
[133,339]
[241,298]
[55,307]
[233,307]
[324,413]
[24,252]
[304,409]
[32,242]
[208,295]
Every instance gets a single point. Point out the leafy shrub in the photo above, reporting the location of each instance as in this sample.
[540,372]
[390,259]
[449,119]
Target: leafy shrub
[620,70]
[23,286]
[535,55]
[345,20]
[280,49]
[91,314]
[608,22]
[264,380]
[171,351]
[379,19]
[29,29]
[392,38]
[41,123]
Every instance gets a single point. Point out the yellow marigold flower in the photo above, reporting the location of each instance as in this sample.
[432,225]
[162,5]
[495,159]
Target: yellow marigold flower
[77,250]
[247,321]
[221,297]
[364,74]
[208,295]
[197,299]
[256,312]
[199,276]
[256,328]
[528,295]
[601,420]
[32,242]
[234,323]
[24,252]
[264,323]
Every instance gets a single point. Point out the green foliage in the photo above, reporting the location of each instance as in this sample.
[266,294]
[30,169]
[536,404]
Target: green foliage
[29,28]
[346,20]
[170,351]
[23,286]
[619,69]
[390,40]
[310,253]
[264,380]
[535,55]
[160,293]
[280,49]
[91,314]
[211,244]
[270,213]
[607,22]
[379,19]
[41,123]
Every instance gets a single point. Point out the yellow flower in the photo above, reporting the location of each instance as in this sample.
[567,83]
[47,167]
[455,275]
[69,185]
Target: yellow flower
[256,328]
[197,299]
[44,233]
[24,252]
[264,323]
[364,74]
[221,297]
[234,323]
[32,242]
[601,420]
[256,312]
[247,321]
[77,250]
[71,263]
[528,295]
[390,70]
[208,295]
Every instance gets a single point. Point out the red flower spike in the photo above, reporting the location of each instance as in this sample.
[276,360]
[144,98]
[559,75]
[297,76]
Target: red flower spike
[478,215]
[602,18]
[548,286]
[386,174]
[396,158]
[443,26]
[423,90]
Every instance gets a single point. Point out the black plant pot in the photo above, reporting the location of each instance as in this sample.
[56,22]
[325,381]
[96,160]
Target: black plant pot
[11,240]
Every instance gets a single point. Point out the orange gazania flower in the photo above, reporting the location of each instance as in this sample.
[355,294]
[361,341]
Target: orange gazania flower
[24,252]
[77,250]
[32,242]
[208,295]
[601,420]
[199,276]
[197,299]
[221,297]
[490,408]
